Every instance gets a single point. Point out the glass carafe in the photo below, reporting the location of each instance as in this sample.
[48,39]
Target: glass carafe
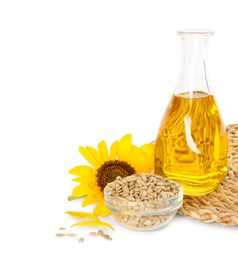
[191,146]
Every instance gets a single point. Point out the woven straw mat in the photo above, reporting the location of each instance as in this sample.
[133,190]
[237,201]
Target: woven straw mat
[221,205]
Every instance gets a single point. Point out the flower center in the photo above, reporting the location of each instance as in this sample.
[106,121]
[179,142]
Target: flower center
[110,170]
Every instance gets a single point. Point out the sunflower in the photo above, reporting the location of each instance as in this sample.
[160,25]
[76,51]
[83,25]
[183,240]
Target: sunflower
[123,159]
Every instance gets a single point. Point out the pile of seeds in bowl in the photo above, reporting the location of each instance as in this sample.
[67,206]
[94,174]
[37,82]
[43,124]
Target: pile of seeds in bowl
[142,187]
[142,194]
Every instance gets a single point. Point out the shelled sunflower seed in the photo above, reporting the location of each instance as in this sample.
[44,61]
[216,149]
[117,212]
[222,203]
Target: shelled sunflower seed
[142,187]
[81,239]
[102,234]
[94,234]
[62,228]
[71,235]
[60,234]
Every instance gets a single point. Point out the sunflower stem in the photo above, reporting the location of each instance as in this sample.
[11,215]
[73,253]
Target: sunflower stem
[71,197]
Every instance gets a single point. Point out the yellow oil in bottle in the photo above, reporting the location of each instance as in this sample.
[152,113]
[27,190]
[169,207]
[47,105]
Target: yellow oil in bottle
[191,146]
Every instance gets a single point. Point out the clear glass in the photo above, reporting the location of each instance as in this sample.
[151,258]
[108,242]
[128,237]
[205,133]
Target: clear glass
[191,145]
[156,215]
[193,74]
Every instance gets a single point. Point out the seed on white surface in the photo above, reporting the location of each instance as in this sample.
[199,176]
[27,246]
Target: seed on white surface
[60,235]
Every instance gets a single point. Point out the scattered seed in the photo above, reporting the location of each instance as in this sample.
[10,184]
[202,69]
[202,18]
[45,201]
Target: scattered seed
[62,228]
[60,235]
[71,235]
[107,237]
[100,232]
[94,234]
[81,239]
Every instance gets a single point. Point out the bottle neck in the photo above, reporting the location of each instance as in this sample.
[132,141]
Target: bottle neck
[193,76]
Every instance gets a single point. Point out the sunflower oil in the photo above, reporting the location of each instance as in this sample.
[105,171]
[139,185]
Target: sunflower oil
[191,146]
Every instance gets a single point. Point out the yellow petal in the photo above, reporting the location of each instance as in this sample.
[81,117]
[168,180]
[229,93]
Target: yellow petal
[145,151]
[141,158]
[82,215]
[82,170]
[125,146]
[89,157]
[102,147]
[148,165]
[134,150]
[138,159]
[88,200]
[98,209]
[114,150]
[98,196]
[96,154]
[85,179]
[148,148]
[91,199]
[93,223]
[82,189]
[94,186]
[105,211]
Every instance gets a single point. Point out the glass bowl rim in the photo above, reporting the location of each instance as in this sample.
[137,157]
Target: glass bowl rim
[109,198]
[195,32]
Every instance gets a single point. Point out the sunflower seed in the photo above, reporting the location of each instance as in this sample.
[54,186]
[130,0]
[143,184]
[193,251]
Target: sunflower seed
[125,189]
[100,232]
[106,237]
[143,193]
[130,178]
[60,235]
[62,228]
[71,235]
[81,239]
[143,177]
[94,234]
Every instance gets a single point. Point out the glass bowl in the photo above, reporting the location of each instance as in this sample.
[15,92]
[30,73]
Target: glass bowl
[144,215]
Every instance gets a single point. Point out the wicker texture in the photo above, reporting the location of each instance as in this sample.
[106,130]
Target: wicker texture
[220,206]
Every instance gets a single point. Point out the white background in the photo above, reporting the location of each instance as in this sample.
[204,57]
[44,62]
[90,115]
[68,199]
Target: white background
[77,72]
